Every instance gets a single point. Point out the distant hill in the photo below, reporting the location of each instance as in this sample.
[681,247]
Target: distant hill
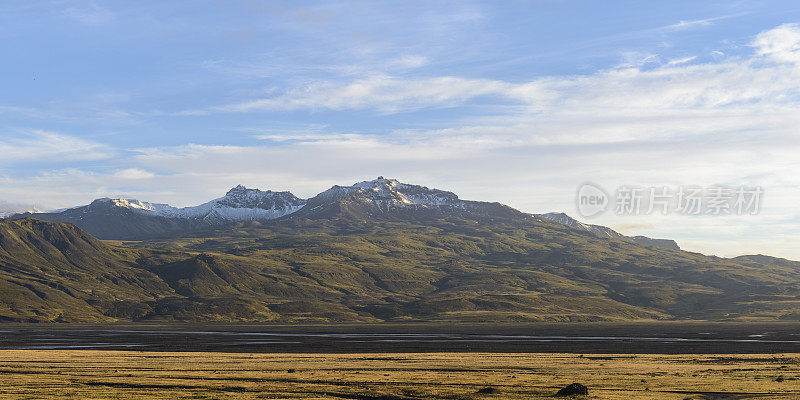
[375,251]
[608,232]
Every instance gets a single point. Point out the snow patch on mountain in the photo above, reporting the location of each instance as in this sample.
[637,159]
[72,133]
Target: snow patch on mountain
[390,193]
[239,204]
[8,209]
[565,219]
[600,230]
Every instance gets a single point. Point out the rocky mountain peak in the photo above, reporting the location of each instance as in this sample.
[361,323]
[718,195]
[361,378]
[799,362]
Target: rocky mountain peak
[242,197]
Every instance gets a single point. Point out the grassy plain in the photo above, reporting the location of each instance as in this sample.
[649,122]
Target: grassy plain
[89,374]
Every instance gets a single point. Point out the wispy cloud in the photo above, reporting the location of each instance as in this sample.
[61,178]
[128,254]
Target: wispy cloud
[699,23]
[703,120]
[678,122]
[385,93]
[47,146]
[301,137]
[683,60]
[626,87]
[133,173]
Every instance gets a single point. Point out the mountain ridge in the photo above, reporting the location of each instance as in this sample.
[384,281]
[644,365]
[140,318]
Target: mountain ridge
[565,219]
[132,219]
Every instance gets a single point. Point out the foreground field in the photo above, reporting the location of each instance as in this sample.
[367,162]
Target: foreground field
[38,374]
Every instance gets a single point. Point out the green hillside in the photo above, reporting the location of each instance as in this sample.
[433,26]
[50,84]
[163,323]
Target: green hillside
[483,269]
[336,270]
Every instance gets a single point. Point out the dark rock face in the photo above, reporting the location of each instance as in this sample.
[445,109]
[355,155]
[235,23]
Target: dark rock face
[573,389]
[488,390]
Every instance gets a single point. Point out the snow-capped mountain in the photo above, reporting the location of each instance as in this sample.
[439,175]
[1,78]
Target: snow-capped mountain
[378,199]
[239,204]
[9,209]
[131,219]
[134,205]
[605,231]
[388,194]
[389,198]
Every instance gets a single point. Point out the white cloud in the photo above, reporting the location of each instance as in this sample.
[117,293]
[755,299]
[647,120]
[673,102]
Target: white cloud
[698,23]
[407,62]
[634,59]
[781,44]
[316,137]
[683,60]
[680,25]
[381,92]
[678,83]
[133,173]
[684,122]
[49,146]
[678,123]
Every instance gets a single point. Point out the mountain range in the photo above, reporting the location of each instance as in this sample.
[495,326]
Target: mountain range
[131,219]
[374,251]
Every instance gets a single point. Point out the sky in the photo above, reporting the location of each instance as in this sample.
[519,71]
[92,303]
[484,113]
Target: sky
[519,102]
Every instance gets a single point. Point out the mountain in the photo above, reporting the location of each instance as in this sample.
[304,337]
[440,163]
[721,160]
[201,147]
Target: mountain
[56,272]
[605,231]
[130,219]
[378,250]
[239,204]
[8,209]
[118,219]
[345,270]
[381,198]
[389,199]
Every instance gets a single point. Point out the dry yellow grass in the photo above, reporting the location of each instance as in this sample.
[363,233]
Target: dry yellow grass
[47,374]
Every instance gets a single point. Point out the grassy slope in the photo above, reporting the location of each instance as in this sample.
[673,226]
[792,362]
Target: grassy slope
[460,269]
[337,270]
[56,272]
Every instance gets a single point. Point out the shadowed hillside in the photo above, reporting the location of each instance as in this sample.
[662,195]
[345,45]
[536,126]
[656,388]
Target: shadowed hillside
[485,269]
[56,272]
[352,263]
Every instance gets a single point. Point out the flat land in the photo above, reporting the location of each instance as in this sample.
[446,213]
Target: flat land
[671,337]
[93,374]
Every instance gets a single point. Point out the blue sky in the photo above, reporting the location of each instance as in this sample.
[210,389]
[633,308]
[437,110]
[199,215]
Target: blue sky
[512,101]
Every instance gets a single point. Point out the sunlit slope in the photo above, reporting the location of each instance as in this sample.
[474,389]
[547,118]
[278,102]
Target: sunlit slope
[340,268]
[487,269]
